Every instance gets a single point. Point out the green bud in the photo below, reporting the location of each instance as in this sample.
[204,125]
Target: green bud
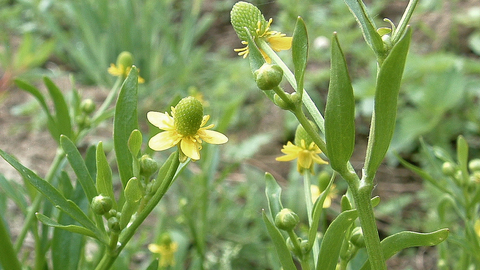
[474,165]
[245,15]
[125,59]
[147,166]
[268,76]
[280,102]
[188,116]
[101,204]
[114,224]
[112,213]
[357,237]
[87,106]
[286,219]
[448,169]
[83,121]
[301,134]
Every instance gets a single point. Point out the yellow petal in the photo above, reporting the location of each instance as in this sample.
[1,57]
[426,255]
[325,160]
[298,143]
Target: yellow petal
[164,140]
[190,148]
[161,120]
[212,137]
[305,159]
[280,43]
[114,70]
[288,157]
[154,248]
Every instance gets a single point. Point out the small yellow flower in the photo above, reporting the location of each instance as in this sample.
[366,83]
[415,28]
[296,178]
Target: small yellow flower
[306,155]
[122,71]
[276,40]
[185,127]
[166,252]
[315,191]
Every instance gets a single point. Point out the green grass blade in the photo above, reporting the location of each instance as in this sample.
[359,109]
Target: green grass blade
[125,122]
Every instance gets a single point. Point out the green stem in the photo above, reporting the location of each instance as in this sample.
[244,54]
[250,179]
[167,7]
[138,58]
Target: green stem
[309,204]
[310,130]
[110,256]
[307,101]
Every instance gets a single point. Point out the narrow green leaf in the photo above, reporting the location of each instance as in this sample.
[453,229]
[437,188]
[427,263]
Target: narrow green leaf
[255,57]
[153,265]
[462,157]
[280,245]
[125,122]
[62,114]
[51,124]
[78,165]
[71,228]
[104,175]
[8,256]
[135,142]
[402,240]
[15,192]
[369,30]
[316,213]
[133,190]
[50,192]
[339,111]
[333,239]
[300,52]
[385,110]
[274,193]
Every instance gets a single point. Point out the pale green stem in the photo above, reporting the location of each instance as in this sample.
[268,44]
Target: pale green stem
[309,204]
[307,101]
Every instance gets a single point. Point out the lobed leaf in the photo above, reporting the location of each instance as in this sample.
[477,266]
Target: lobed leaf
[339,111]
[385,110]
[125,121]
[333,239]
[280,245]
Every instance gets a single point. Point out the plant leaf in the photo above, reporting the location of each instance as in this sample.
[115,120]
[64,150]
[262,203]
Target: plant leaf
[316,212]
[125,122]
[402,240]
[300,52]
[333,239]
[385,110]
[71,228]
[339,111]
[62,113]
[78,165]
[274,193]
[104,175]
[280,245]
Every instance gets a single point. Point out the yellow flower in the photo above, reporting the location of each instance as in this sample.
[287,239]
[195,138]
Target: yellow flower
[166,251]
[181,128]
[315,190]
[276,40]
[306,155]
[122,71]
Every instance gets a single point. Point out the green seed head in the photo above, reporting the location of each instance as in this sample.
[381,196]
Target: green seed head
[301,134]
[188,116]
[243,15]
[125,59]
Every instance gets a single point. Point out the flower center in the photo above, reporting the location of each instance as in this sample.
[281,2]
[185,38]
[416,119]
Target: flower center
[188,116]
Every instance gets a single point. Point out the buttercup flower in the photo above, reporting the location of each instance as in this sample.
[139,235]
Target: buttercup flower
[304,149]
[123,66]
[245,15]
[315,191]
[185,127]
[166,249]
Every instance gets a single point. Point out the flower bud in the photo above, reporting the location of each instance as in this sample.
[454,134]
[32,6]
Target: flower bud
[286,219]
[280,102]
[114,224]
[125,60]
[147,166]
[474,165]
[83,121]
[448,169]
[245,15]
[357,237]
[87,106]
[268,76]
[101,204]
[188,116]
[301,134]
